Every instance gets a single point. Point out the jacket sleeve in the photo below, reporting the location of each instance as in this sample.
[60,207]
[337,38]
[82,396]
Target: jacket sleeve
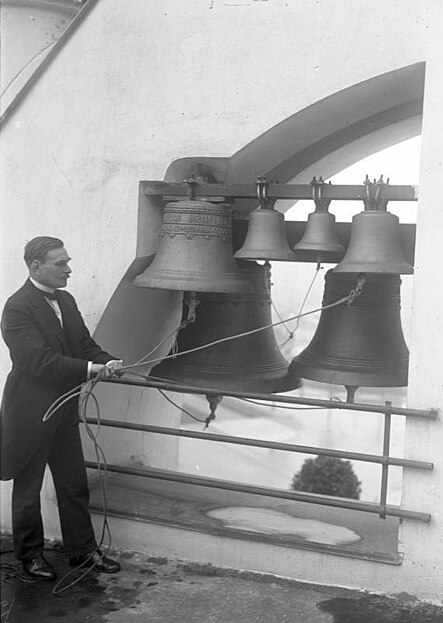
[31,353]
[90,350]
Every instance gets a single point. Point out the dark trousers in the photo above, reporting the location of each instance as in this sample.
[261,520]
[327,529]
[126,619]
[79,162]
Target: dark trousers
[64,455]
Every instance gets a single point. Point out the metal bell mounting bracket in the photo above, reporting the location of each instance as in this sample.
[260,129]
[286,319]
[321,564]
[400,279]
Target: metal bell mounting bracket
[373,201]
[262,194]
[321,204]
[192,183]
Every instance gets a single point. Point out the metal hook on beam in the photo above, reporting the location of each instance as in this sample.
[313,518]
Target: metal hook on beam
[262,194]
[321,204]
[373,199]
[192,183]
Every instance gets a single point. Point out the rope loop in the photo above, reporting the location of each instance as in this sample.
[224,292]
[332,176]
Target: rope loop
[353,294]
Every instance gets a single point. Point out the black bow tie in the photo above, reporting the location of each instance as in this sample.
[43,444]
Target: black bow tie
[53,296]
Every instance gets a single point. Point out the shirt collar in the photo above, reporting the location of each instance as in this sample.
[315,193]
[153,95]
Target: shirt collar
[40,286]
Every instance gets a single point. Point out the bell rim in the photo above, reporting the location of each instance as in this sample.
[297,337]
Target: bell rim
[375,377]
[262,254]
[233,285]
[376,268]
[311,255]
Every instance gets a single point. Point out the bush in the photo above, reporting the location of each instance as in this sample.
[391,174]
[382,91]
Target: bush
[329,476]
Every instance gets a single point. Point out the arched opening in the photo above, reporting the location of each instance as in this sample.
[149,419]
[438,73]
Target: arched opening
[321,140]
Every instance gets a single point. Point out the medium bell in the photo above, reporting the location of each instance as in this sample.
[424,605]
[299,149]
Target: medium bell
[195,252]
[266,237]
[320,242]
[357,344]
[252,363]
[374,246]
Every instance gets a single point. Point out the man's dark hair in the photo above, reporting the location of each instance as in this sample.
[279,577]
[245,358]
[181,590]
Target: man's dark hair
[37,248]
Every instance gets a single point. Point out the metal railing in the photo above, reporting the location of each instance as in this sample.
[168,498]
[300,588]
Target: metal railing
[385,460]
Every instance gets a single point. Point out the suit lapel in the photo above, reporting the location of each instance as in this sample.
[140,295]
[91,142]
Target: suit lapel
[46,315]
[68,321]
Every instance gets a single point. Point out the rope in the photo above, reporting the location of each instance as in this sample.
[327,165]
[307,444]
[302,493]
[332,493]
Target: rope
[291,334]
[308,291]
[267,404]
[179,407]
[85,390]
[86,394]
[78,390]
[277,313]
[346,299]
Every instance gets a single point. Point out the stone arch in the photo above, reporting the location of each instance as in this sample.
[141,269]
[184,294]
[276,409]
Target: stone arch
[332,134]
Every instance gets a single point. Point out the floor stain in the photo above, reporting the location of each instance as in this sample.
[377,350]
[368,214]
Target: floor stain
[377,609]
[159,590]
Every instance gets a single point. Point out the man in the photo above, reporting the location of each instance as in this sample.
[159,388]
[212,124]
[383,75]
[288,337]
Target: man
[52,352]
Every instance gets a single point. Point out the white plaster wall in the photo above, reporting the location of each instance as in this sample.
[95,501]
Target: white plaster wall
[143,83]
[423,544]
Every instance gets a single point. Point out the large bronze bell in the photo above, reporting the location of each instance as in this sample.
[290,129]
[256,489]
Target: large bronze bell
[266,237]
[195,252]
[357,344]
[251,363]
[374,246]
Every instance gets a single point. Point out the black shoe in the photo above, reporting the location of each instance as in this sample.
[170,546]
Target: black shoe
[38,569]
[97,561]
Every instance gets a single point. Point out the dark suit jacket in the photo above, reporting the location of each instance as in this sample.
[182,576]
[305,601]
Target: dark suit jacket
[47,361]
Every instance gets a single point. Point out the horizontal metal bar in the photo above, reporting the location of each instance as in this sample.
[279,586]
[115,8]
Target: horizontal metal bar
[337,192]
[297,496]
[259,443]
[431,414]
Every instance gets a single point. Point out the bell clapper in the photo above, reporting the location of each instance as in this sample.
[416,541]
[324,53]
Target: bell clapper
[214,400]
[350,393]
[191,301]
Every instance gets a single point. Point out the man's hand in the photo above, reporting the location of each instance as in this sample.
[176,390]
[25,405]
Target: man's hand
[100,369]
[114,365]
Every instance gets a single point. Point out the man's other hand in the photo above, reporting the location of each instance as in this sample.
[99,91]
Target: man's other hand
[114,366]
[101,370]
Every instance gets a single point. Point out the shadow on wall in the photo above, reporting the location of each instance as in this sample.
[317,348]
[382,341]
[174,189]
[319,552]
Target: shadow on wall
[136,320]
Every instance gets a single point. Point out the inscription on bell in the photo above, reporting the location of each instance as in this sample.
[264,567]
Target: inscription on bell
[172,217]
[198,219]
[190,229]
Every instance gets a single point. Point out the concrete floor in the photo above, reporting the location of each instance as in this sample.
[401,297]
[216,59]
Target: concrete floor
[158,590]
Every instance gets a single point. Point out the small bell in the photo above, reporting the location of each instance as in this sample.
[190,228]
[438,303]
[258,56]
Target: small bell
[266,235]
[319,243]
[266,238]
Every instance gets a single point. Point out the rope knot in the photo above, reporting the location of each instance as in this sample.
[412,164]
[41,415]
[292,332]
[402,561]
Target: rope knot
[353,294]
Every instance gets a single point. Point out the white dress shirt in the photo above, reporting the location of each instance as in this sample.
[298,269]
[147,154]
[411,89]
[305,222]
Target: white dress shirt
[56,309]
[58,312]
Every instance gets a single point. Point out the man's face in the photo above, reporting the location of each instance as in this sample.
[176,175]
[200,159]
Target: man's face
[54,271]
